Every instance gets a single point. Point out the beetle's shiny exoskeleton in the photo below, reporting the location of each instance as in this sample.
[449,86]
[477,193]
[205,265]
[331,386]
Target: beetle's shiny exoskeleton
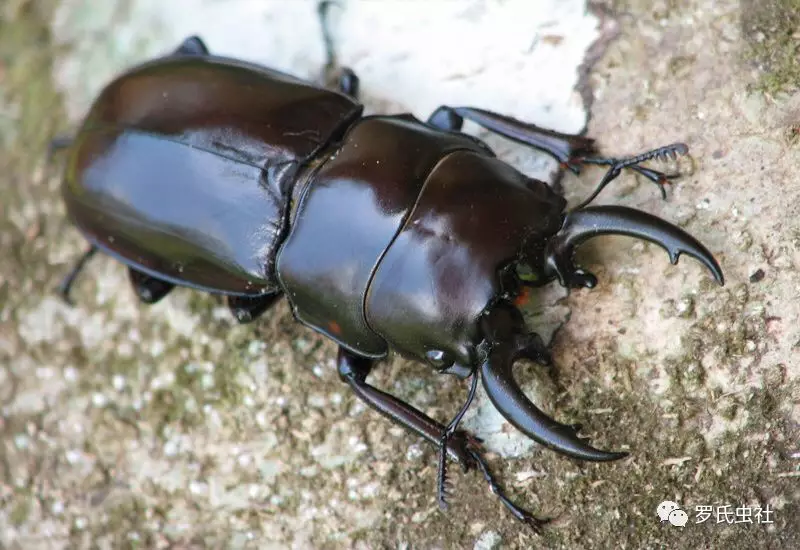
[383,232]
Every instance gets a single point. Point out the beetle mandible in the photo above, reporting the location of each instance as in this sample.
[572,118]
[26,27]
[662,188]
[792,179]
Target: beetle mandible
[383,232]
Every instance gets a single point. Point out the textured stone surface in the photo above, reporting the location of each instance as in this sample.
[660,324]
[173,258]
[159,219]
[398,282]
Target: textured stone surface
[139,427]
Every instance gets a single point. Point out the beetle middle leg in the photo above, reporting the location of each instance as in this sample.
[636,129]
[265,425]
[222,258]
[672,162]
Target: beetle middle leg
[193,45]
[248,308]
[461,446]
[148,289]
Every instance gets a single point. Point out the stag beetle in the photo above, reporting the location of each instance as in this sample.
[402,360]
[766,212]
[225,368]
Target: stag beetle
[383,232]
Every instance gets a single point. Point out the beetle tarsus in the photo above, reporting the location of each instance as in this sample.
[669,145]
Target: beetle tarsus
[442,485]
[448,433]
[64,288]
[617,165]
[522,515]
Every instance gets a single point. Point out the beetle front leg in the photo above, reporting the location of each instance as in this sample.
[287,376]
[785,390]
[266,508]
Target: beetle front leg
[464,448]
[571,150]
[567,149]
[354,369]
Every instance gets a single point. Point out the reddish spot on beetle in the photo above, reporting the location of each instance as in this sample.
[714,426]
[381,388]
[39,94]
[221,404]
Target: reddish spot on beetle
[334,328]
[523,297]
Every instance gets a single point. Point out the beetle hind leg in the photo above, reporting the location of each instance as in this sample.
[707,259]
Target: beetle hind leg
[193,45]
[248,308]
[65,286]
[148,289]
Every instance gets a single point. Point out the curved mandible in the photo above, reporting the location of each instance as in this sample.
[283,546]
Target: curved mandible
[586,223]
[514,405]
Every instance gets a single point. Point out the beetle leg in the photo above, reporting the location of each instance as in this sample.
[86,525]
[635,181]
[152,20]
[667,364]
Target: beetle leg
[354,369]
[349,83]
[247,308]
[65,286]
[441,477]
[617,165]
[568,149]
[148,289]
[571,150]
[522,515]
[193,45]
[462,447]
[58,143]
[445,118]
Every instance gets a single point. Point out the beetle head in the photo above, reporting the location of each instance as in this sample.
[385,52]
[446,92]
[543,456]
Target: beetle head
[506,339]
[442,293]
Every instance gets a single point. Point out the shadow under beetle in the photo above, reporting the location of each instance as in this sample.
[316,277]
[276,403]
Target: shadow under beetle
[383,232]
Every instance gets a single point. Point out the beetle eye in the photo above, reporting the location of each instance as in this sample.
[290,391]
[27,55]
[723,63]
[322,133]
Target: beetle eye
[438,359]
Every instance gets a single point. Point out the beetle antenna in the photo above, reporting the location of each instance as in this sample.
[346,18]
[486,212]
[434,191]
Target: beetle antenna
[617,165]
[441,478]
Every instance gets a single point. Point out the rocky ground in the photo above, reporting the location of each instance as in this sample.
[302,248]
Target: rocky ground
[170,426]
